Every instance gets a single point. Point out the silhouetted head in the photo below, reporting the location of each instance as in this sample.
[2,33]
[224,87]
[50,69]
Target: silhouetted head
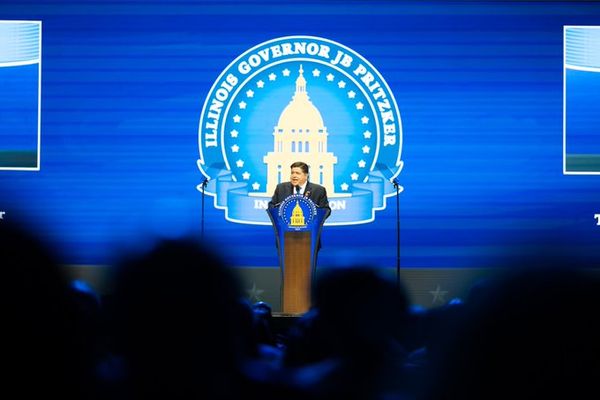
[179,319]
[262,308]
[362,309]
[532,332]
[38,319]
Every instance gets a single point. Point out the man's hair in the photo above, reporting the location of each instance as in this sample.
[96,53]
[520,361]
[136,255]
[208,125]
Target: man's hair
[302,165]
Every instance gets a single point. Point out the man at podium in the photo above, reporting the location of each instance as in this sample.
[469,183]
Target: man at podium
[299,184]
[298,234]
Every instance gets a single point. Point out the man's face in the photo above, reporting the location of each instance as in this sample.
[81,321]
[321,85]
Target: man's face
[298,177]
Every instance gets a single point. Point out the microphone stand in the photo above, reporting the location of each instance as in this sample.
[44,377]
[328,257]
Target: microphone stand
[203,186]
[397,186]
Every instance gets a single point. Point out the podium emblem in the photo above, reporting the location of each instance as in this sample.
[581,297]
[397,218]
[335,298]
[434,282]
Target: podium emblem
[297,211]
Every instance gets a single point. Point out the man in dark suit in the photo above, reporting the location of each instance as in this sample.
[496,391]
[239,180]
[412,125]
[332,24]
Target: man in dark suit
[299,184]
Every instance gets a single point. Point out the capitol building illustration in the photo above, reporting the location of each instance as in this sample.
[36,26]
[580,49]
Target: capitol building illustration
[300,135]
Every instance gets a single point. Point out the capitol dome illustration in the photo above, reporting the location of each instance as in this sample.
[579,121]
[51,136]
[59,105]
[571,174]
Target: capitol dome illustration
[300,135]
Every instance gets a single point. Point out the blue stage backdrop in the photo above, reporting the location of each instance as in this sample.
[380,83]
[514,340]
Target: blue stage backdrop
[461,103]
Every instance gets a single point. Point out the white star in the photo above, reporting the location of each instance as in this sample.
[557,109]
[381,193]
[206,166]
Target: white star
[246,175]
[341,84]
[438,295]
[235,148]
[367,134]
[242,105]
[272,76]
[239,163]
[254,293]
[366,149]
[364,120]
[351,94]
[237,119]
[330,78]
[316,73]
[249,93]
[359,106]
[234,133]
[286,72]
[344,186]
[260,84]
[256,186]
[362,164]
[354,176]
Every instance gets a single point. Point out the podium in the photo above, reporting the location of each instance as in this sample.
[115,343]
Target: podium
[297,222]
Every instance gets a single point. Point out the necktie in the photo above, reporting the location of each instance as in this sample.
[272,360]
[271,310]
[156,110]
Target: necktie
[297,189]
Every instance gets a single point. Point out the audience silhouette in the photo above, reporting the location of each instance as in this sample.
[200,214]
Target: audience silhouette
[533,333]
[353,335]
[44,351]
[179,324]
[176,326]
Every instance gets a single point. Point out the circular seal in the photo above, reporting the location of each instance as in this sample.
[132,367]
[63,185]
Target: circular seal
[297,211]
[300,98]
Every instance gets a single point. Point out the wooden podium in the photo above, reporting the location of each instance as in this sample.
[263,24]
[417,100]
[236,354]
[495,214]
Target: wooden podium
[297,222]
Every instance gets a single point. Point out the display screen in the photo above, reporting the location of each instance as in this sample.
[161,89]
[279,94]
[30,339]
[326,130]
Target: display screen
[465,131]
